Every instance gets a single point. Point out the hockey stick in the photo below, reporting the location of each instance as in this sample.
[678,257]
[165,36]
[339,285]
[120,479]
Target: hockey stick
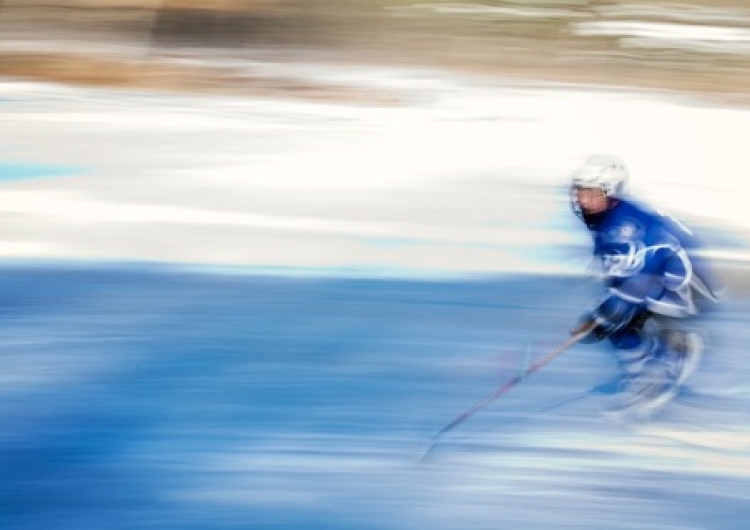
[576,336]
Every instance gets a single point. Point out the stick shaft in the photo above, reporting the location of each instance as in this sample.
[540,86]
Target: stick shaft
[578,334]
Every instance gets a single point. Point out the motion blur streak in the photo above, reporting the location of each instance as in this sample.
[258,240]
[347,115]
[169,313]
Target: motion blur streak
[255,253]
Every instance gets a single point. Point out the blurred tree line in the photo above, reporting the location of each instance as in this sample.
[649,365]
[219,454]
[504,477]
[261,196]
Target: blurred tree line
[301,22]
[511,36]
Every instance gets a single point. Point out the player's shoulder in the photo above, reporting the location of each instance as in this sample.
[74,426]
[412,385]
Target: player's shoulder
[637,209]
[630,221]
[628,212]
[640,214]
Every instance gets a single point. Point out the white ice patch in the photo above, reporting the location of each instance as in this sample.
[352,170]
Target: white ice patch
[677,12]
[675,35]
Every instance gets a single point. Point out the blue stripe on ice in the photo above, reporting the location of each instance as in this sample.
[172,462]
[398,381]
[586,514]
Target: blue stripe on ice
[18,171]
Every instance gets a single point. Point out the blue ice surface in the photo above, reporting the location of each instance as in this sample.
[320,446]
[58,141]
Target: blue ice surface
[21,171]
[152,397]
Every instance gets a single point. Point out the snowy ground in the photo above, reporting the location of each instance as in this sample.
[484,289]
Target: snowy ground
[154,378]
[465,176]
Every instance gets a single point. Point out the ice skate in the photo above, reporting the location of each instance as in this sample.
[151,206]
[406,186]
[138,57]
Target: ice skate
[687,350]
[645,394]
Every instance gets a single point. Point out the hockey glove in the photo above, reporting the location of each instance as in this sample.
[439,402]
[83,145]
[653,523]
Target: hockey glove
[613,314]
[594,335]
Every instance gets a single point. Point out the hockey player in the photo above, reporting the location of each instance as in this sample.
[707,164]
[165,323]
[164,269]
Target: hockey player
[655,284]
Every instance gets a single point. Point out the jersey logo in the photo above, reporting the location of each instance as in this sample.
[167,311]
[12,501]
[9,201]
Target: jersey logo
[626,232]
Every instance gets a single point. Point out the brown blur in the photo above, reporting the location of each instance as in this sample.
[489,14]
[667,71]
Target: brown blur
[128,42]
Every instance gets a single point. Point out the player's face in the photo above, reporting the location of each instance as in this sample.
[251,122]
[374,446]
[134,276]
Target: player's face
[591,200]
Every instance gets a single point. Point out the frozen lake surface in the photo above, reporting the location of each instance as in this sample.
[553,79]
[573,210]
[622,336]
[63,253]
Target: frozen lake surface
[146,397]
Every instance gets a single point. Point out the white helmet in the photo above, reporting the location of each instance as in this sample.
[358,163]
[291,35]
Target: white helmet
[605,172]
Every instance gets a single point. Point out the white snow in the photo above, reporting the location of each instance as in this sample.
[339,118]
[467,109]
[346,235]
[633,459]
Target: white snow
[463,163]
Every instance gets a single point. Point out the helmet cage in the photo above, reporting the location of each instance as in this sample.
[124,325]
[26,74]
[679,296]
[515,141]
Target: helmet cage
[603,172]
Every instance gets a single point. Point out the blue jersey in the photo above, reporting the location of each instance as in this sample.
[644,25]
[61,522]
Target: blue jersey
[649,258]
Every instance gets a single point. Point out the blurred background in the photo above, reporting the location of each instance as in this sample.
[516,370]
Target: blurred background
[686,46]
[254,254]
